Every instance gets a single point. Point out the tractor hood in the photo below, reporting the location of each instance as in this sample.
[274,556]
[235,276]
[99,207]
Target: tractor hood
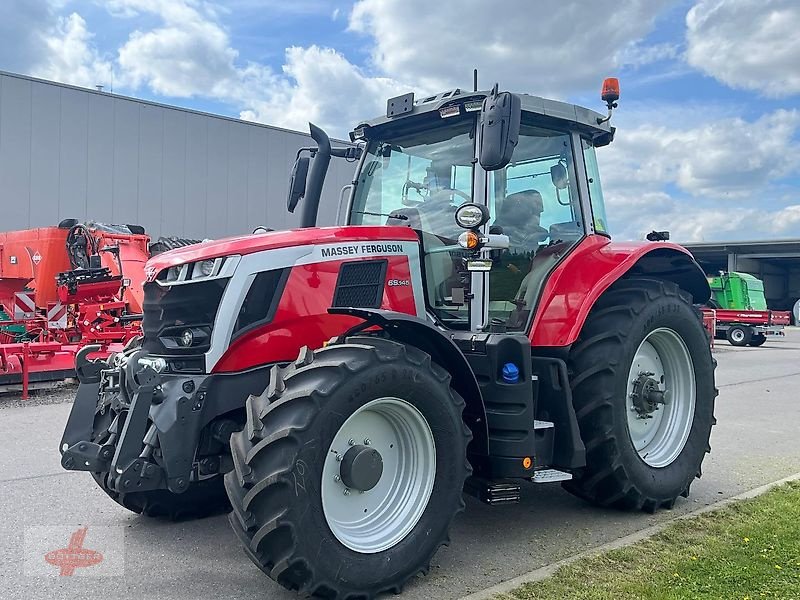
[249,244]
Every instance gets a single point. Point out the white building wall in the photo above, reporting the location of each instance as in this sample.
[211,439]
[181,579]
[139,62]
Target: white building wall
[68,152]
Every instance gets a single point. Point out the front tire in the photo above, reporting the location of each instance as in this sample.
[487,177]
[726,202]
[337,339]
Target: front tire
[300,512]
[642,380]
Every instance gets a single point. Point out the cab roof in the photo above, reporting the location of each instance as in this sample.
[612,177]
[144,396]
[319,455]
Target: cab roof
[405,106]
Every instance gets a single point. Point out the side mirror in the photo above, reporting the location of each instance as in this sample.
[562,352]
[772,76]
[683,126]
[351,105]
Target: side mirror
[297,182]
[499,123]
[558,175]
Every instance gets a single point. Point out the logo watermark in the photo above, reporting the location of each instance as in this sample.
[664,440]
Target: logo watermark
[84,551]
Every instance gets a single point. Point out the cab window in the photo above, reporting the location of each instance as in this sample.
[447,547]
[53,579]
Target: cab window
[534,202]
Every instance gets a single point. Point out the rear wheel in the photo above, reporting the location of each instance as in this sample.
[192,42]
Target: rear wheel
[350,469]
[642,380]
[758,339]
[201,499]
[739,335]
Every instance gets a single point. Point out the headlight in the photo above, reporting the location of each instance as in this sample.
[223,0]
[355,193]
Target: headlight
[202,269]
[471,215]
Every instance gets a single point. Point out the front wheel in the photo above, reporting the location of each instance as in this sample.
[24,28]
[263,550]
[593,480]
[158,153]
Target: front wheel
[350,469]
[642,380]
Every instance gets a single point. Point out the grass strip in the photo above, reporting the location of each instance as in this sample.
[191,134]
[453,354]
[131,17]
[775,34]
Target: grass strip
[748,550]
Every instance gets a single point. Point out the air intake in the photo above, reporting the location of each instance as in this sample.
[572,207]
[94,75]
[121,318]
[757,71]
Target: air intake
[360,284]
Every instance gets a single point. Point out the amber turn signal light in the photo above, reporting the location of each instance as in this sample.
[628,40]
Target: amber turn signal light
[469,240]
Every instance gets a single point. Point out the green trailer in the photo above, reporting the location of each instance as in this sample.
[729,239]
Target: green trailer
[738,291]
[739,310]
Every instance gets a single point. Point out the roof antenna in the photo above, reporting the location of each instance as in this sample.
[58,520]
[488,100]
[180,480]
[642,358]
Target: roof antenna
[474,80]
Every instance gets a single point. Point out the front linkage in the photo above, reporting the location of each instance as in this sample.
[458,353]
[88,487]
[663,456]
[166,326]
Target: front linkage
[139,429]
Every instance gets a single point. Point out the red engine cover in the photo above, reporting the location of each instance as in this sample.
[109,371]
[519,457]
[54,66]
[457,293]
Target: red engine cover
[302,317]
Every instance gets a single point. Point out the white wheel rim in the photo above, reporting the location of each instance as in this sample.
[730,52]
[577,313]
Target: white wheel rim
[380,518]
[659,436]
[737,335]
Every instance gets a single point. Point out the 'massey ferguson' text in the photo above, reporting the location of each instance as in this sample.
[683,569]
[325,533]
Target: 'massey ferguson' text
[360,249]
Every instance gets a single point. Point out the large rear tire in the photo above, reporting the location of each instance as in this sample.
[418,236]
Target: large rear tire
[757,340]
[201,499]
[300,511]
[644,447]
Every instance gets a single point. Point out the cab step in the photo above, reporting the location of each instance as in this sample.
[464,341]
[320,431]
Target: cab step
[550,476]
[493,491]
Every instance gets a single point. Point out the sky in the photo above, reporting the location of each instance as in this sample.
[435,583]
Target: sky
[708,125]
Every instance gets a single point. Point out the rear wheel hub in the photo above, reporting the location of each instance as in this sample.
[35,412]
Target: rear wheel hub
[362,468]
[647,395]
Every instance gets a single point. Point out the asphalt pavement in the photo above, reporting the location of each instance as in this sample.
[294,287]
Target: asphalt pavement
[755,442]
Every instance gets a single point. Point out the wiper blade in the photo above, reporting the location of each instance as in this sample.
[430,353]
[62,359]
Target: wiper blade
[376,214]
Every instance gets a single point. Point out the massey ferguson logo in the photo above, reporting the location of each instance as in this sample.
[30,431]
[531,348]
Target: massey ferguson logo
[361,250]
[150,273]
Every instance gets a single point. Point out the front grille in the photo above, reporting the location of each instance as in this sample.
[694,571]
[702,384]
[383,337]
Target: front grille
[170,309]
[360,284]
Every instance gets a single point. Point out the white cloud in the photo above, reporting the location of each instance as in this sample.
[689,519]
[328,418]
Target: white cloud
[636,54]
[189,54]
[749,44]
[548,47]
[71,56]
[708,180]
[727,158]
[322,87]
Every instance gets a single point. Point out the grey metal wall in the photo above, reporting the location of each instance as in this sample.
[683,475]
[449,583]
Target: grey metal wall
[68,152]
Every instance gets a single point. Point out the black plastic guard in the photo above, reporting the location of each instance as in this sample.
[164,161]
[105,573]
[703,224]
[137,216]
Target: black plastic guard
[555,404]
[81,417]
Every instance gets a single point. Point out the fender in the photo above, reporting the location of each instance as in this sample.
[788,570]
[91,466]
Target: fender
[417,332]
[592,267]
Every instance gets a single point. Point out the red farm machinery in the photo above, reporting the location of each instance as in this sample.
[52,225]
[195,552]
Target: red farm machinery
[469,327]
[65,288]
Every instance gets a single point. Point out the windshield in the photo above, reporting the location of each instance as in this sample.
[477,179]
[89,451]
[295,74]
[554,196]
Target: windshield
[419,179]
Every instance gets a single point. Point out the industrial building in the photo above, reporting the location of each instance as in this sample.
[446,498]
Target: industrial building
[70,152]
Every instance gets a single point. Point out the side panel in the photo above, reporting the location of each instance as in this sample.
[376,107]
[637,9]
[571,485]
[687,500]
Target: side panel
[302,317]
[592,267]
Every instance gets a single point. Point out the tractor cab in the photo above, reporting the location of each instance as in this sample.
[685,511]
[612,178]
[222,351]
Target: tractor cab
[498,186]
[420,166]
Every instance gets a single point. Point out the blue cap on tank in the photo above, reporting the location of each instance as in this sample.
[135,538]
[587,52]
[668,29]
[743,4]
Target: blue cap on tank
[510,373]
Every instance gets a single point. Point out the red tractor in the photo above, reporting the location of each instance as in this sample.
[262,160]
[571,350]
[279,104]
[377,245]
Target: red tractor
[468,328]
